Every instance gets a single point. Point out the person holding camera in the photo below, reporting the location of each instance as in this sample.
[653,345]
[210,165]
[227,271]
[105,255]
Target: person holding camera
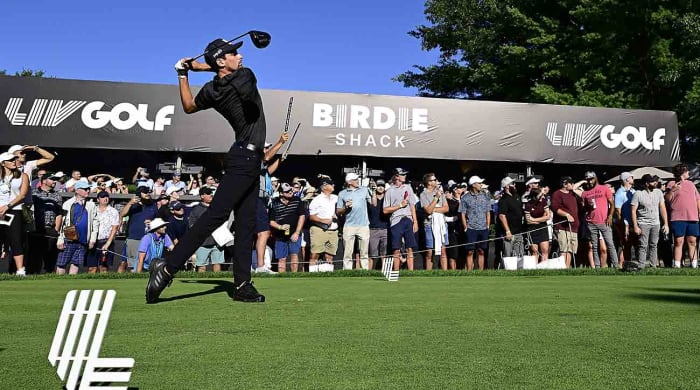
[141,210]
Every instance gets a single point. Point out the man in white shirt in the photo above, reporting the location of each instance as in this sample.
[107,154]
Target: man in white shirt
[324,226]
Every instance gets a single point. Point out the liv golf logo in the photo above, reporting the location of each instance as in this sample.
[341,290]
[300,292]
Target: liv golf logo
[78,340]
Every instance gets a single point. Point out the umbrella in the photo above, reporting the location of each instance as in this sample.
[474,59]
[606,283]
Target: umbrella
[639,172]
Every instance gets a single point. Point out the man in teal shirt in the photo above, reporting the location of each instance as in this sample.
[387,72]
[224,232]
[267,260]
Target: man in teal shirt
[352,202]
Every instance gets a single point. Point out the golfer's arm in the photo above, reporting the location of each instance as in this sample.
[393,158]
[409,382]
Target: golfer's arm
[186,95]
[633,211]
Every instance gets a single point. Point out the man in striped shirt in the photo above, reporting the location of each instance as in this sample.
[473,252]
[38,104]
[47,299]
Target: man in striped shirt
[287,216]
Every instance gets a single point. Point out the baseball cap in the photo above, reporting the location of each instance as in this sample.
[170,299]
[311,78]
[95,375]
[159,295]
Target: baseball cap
[81,185]
[532,180]
[206,191]
[475,179]
[400,171]
[175,205]
[506,181]
[217,49]
[7,156]
[103,194]
[452,187]
[162,196]
[590,175]
[624,176]
[268,144]
[326,180]
[143,190]
[381,182]
[14,148]
[273,178]
[286,187]
[351,176]
[565,179]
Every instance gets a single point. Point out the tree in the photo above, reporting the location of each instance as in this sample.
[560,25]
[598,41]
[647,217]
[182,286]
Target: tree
[611,53]
[25,73]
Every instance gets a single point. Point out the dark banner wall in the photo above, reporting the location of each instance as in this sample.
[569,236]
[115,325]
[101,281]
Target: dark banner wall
[108,115]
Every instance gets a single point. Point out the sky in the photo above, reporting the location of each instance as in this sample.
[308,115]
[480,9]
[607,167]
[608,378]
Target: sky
[330,46]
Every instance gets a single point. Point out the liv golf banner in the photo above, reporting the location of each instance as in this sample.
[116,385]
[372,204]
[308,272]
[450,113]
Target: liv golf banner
[108,115]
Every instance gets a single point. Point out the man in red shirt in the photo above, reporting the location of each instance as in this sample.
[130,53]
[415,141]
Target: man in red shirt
[565,205]
[684,202]
[599,207]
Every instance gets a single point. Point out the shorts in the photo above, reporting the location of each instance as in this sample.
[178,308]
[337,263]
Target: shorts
[568,241]
[73,253]
[204,256]
[403,230]
[429,244]
[685,228]
[96,257]
[477,238]
[132,252]
[323,241]
[262,218]
[537,233]
[285,248]
[453,249]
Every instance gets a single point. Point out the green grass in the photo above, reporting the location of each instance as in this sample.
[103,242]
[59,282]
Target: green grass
[539,331]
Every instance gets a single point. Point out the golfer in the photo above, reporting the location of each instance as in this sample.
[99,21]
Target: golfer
[234,94]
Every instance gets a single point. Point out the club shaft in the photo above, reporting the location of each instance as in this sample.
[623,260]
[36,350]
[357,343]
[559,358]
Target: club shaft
[225,43]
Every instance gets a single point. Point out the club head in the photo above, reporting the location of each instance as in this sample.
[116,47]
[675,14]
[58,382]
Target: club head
[260,39]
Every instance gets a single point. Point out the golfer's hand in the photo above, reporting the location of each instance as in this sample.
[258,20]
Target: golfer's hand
[105,247]
[637,230]
[295,237]
[403,204]
[91,244]
[664,229]
[284,137]
[61,246]
[509,236]
[569,217]
[181,67]
[415,227]
[609,221]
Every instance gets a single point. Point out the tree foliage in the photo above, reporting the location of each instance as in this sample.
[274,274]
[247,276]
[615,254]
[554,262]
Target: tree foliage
[24,73]
[636,54]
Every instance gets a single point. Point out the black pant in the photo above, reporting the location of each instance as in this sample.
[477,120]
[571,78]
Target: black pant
[43,252]
[238,190]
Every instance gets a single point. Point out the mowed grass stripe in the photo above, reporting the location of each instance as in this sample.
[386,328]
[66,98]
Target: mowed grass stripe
[365,333]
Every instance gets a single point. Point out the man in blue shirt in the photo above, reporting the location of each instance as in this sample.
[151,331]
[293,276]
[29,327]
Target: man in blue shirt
[141,210]
[352,202]
[475,207]
[623,214]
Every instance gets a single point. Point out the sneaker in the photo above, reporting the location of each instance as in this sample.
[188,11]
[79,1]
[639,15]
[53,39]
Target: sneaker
[21,272]
[246,292]
[264,270]
[158,280]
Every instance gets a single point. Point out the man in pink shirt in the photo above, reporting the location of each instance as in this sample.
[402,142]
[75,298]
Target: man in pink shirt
[684,202]
[599,206]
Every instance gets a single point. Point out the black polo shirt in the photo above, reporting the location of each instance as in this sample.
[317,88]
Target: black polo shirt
[512,208]
[236,97]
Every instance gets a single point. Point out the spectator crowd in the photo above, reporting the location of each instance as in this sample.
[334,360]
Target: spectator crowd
[53,222]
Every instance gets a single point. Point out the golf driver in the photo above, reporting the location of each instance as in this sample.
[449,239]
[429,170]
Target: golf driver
[259,38]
